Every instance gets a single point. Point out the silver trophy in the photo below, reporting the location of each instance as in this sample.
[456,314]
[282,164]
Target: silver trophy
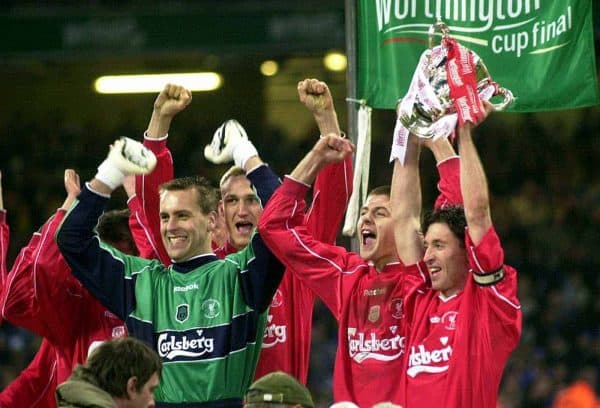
[428,110]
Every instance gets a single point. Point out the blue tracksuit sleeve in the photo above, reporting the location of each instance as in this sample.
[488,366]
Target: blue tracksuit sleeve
[263,277]
[265,270]
[265,181]
[100,269]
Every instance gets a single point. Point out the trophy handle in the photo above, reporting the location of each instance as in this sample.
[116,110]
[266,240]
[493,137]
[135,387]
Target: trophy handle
[508,98]
[487,89]
[438,26]
[484,77]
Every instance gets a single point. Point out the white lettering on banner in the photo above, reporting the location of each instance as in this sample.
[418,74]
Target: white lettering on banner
[274,334]
[422,360]
[459,11]
[514,26]
[541,33]
[371,347]
[172,346]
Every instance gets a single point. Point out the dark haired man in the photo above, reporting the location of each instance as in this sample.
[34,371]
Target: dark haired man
[464,324]
[120,373]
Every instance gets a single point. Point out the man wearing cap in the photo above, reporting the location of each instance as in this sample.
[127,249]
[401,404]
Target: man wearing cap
[278,389]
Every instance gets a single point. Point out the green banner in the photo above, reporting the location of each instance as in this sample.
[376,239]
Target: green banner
[543,51]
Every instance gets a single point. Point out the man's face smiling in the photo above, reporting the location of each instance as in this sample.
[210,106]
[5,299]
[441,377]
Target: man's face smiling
[446,259]
[375,231]
[183,226]
[241,208]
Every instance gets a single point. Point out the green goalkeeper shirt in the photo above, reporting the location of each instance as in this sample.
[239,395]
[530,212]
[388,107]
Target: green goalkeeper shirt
[205,317]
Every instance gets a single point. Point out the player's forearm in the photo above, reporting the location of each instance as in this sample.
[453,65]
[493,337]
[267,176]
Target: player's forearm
[159,125]
[474,186]
[306,171]
[327,121]
[405,203]
[442,149]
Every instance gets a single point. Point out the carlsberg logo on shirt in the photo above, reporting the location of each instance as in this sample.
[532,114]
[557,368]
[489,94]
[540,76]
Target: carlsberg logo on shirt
[175,345]
[274,333]
[422,360]
[363,347]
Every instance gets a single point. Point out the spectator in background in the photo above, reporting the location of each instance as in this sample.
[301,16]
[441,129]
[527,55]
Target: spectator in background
[120,373]
[278,389]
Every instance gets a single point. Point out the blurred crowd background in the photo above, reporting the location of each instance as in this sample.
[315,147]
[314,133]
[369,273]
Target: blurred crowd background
[542,170]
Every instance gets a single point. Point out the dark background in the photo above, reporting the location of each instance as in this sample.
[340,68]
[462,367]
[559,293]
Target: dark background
[542,167]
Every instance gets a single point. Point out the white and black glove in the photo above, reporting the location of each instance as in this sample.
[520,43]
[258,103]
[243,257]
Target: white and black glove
[230,143]
[126,156]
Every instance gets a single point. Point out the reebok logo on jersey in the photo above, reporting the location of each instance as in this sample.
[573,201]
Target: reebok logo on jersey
[363,347]
[273,333]
[422,360]
[185,288]
[174,345]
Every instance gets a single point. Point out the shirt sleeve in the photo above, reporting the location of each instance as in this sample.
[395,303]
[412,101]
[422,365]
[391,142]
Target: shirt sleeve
[103,270]
[449,184]
[264,179]
[147,187]
[320,266]
[35,386]
[40,293]
[331,193]
[141,231]
[263,275]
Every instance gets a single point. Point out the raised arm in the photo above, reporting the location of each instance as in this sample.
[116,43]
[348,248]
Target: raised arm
[102,270]
[282,228]
[172,100]
[39,290]
[333,185]
[474,185]
[448,167]
[141,231]
[405,203]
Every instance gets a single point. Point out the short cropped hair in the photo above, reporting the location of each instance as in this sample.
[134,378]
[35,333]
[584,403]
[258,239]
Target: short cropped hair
[115,361]
[208,196]
[453,216]
[381,190]
[113,228]
[234,171]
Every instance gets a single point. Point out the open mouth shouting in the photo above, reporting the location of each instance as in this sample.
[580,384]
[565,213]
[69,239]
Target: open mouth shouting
[368,238]
[244,227]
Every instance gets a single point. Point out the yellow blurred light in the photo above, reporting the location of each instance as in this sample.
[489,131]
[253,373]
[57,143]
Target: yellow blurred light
[335,61]
[120,84]
[269,68]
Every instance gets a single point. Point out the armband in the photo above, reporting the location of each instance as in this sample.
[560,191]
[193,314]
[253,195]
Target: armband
[488,279]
